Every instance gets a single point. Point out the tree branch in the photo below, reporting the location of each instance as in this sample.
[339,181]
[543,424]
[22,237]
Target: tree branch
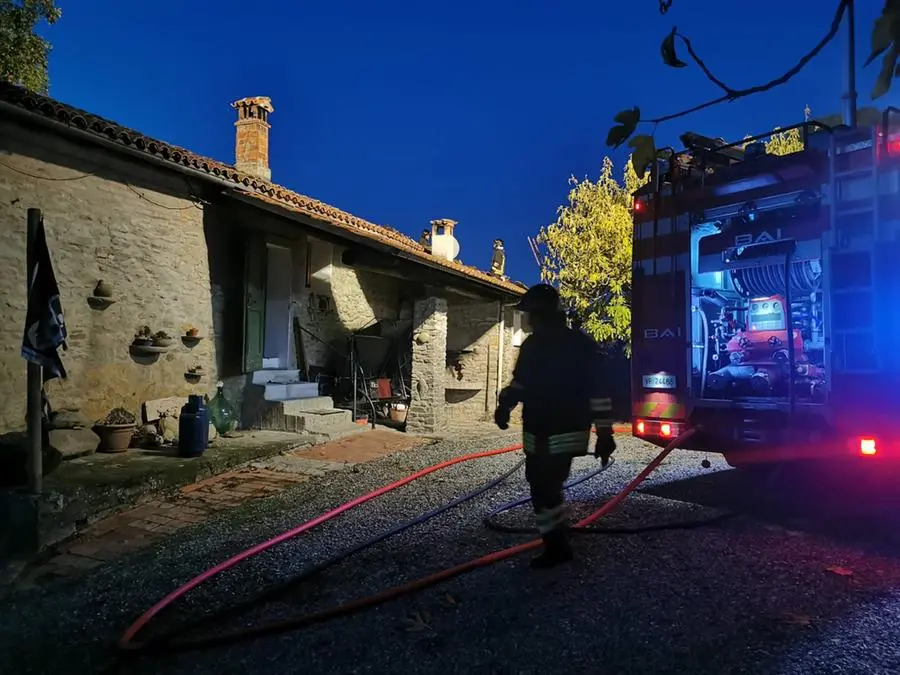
[741,93]
[706,71]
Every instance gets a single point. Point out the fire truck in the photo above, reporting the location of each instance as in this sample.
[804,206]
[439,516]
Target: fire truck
[766,296]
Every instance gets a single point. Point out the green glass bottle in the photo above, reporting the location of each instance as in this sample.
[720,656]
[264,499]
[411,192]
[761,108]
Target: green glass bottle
[221,414]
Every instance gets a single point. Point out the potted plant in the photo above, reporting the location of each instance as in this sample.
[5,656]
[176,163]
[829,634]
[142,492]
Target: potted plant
[162,339]
[192,332]
[115,430]
[143,337]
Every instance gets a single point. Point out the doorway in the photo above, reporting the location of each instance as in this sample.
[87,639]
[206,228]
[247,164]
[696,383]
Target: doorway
[279,269]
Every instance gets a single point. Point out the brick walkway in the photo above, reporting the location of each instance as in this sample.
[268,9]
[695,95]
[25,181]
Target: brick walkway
[148,523]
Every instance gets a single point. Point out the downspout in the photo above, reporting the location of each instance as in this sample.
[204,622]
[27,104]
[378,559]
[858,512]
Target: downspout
[500,349]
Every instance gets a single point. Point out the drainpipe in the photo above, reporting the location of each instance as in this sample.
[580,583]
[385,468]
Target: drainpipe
[501,349]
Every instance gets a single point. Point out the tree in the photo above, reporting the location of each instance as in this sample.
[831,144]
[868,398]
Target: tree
[586,253]
[23,53]
[885,43]
[784,142]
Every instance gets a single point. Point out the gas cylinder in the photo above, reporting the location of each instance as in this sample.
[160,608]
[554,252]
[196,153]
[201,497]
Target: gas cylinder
[193,427]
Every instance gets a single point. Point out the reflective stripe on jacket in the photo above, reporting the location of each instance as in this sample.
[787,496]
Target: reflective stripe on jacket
[573,443]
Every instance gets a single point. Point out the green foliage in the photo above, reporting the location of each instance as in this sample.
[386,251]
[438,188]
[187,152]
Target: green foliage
[885,43]
[587,252]
[667,50]
[23,53]
[627,122]
[785,142]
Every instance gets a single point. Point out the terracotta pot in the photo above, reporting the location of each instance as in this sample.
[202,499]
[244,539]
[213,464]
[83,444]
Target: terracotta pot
[114,437]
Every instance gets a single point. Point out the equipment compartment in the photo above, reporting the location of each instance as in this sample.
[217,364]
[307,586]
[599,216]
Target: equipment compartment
[741,313]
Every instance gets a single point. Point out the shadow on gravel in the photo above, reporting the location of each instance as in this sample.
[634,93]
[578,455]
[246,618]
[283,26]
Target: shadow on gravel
[849,502]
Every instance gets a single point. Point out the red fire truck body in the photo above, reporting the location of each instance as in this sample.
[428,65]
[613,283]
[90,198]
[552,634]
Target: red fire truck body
[768,370]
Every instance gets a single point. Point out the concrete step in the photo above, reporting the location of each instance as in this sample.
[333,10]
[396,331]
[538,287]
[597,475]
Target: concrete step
[276,376]
[313,415]
[289,392]
[302,405]
[324,420]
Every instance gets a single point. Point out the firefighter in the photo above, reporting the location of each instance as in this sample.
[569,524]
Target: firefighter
[558,380]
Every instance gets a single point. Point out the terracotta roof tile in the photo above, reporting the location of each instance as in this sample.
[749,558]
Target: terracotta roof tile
[256,187]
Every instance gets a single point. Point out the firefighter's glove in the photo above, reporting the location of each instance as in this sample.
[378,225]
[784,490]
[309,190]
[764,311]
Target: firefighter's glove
[508,398]
[604,448]
[501,417]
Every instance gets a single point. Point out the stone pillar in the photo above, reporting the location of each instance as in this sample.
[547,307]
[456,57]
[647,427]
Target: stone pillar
[427,412]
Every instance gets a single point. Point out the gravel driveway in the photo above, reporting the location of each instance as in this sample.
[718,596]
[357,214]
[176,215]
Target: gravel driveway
[802,580]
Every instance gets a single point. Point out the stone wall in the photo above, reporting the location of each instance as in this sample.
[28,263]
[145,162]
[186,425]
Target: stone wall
[109,218]
[472,351]
[472,360]
[339,300]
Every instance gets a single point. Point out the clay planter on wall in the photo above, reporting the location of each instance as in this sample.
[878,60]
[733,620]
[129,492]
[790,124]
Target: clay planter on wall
[114,437]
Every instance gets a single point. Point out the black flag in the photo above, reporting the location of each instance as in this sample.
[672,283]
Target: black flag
[45,327]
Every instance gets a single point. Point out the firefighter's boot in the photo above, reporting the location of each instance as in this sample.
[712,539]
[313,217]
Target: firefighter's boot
[556,550]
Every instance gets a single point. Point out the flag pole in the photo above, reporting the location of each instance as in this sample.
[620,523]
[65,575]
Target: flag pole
[35,378]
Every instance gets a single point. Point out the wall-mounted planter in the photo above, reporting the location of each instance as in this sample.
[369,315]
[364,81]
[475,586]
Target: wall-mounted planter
[191,341]
[146,349]
[98,302]
[163,341]
[194,376]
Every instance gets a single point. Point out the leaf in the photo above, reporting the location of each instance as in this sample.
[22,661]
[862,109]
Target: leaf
[888,65]
[417,622]
[669,57]
[627,123]
[450,600]
[883,34]
[840,571]
[644,153]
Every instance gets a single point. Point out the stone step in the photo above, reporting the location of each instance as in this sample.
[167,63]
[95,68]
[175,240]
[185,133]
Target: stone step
[302,405]
[288,392]
[276,376]
[315,415]
[325,420]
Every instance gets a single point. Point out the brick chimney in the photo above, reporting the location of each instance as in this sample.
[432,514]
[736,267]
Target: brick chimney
[251,148]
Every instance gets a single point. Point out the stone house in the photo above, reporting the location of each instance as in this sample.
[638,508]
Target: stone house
[273,281]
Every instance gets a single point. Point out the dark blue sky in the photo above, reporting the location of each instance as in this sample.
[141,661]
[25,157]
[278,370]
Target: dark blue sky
[403,112]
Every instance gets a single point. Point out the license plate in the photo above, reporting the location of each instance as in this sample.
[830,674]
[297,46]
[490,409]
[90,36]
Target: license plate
[659,381]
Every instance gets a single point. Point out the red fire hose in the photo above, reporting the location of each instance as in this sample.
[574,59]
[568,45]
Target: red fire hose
[127,642]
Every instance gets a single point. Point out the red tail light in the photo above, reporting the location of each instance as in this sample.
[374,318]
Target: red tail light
[640,427]
[665,429]
[867,447]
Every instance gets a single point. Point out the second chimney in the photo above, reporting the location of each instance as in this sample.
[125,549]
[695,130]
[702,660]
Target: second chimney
[251,147]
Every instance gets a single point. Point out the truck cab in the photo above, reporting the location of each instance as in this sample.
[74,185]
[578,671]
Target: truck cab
[766,296]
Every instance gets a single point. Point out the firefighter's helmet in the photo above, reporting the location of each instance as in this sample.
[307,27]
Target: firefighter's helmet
[541,298]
